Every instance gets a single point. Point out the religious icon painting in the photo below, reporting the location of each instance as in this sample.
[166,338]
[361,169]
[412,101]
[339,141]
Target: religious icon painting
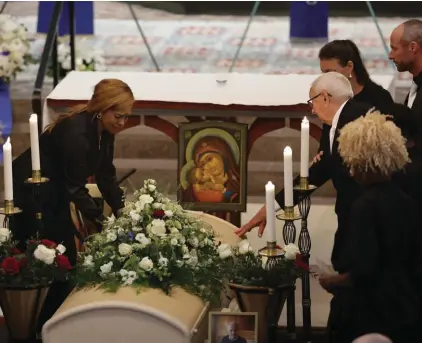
[212,166]
[230,327]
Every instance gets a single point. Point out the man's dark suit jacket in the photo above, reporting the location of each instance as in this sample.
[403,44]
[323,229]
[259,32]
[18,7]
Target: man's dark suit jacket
[331,167]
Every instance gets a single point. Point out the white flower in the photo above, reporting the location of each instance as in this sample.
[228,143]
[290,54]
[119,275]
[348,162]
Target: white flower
[174,230]
[152,188]
[146,199]
[157,206]
[106,268]
[194,241]
[174,241]
[135,216]
[146,264]
[141,238]
[4,234]
[125,249]
[61,248]
[111,236]
[44,254]
[244,247]
[158,227]
[224,250]
[192,261]
[291,250]
[163,261]
[111,219]
[168,213]
[88,261]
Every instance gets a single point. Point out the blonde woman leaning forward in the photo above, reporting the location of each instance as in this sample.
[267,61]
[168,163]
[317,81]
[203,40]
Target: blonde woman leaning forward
[79,144]
[377,293]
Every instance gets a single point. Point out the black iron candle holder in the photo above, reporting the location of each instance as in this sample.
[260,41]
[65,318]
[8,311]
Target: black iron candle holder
[37,182]
[304,190]
[9,210]
[289,216]
[274,256]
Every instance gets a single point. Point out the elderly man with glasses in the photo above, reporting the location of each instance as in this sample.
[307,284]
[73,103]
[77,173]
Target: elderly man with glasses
[330,98]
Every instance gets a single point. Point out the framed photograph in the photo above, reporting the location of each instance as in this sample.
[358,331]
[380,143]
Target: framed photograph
[233,327]
[213,166]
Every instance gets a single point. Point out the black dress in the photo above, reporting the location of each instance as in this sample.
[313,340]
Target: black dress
[384,252]
[70,154]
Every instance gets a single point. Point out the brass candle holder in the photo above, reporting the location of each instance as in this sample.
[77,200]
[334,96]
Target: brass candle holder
[36,182]
[9,210]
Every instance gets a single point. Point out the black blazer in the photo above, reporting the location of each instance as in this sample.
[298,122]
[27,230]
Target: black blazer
[331,167]
[373,95]
[377,270]
[70,154]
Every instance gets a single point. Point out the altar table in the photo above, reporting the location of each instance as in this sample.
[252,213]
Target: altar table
[163,100]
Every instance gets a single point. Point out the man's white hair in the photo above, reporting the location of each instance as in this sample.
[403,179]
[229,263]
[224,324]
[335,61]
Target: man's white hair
[335,84]
[372,338]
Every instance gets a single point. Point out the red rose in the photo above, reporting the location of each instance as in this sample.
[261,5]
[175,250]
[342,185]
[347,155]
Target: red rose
[15,251]
[10,265]
[32,241]
[63,262]
[49,244]
[158,213]
[23,262]
[300,263]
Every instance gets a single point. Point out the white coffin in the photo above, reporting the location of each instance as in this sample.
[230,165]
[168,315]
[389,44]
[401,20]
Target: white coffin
[94,316]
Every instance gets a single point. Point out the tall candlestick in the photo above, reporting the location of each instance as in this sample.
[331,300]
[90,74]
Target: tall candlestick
[269,197]
[304,148]
[35,147]
[8,175]
[288,177]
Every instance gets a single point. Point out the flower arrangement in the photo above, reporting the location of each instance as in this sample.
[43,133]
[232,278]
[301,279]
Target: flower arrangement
[14,47]
[248,268]
[41,262]
[88,58]
[153,243]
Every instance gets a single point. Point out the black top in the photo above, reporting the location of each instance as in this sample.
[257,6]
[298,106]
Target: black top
[385,254]
[331,167]
[70,154]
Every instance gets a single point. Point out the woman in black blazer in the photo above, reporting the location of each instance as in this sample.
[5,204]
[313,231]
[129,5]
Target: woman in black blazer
[78,145]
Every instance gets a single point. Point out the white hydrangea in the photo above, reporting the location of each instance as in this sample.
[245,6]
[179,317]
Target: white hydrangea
[14,46]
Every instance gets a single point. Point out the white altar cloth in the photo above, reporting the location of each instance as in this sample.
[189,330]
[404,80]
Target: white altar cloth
[239,89]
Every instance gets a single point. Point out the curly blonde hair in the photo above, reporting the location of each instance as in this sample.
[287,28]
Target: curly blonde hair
[373,143]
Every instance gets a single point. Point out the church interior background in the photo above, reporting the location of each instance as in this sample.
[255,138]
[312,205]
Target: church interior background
[207,43]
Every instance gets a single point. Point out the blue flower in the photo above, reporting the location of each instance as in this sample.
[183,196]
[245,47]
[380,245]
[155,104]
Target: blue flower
[5,53]
[131,236]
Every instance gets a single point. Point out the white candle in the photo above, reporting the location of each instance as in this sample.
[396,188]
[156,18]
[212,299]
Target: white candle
[288,177]
[304,148]
[35,147]
[269,197]
[7,165]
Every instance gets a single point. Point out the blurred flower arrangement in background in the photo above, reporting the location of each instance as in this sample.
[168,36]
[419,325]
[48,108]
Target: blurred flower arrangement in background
[14,47]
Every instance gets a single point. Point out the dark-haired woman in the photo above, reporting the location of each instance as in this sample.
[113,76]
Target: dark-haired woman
[343,56]
[79,144]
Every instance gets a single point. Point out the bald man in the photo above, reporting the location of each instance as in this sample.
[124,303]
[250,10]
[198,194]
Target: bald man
[232,336]
[372,338]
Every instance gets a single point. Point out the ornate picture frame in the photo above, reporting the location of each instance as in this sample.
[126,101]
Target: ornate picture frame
[212,166]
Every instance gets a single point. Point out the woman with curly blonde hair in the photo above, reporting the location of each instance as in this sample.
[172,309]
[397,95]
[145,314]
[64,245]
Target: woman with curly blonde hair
[377,293]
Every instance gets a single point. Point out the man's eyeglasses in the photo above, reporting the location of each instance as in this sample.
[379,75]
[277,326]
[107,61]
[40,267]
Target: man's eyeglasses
[314,97]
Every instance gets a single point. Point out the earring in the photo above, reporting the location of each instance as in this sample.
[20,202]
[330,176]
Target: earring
[350,76]
[99,116]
